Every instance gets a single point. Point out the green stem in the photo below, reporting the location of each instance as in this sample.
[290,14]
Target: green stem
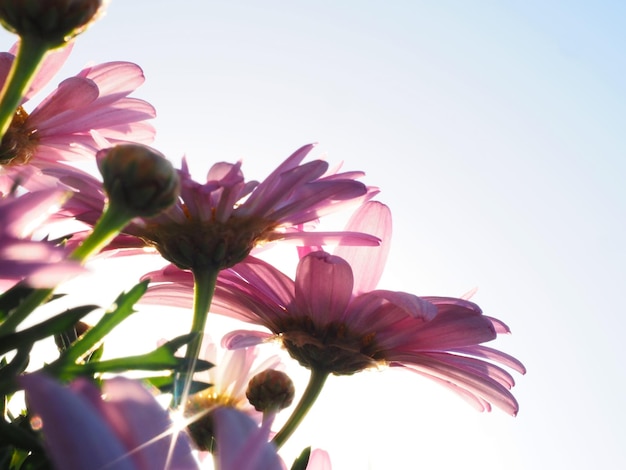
[29,56]
[113,220]
[205,280]
[313,389]
[30,303]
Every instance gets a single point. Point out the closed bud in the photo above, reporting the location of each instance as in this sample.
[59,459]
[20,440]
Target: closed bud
[270,390]
[67,338]
[138,179]
[54,22]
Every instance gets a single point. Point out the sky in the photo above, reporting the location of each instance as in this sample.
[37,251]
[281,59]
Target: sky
[495,132]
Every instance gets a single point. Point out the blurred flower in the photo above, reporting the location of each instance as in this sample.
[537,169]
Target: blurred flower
[53,22]
[319,460]
[216,224]
[85,113]
[330,319]
[127,430]
[242,445]
[229,377]
[38,263]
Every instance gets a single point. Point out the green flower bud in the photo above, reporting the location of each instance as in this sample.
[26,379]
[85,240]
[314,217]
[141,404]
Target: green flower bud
[270,390]
[53,22]
[138,179]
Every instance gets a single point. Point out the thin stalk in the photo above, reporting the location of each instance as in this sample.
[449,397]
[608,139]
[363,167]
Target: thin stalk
[313,389]
[205,280]
[29,56]
[112,220]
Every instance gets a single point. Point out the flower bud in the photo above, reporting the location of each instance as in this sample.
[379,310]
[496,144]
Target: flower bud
[138,179]
[270,390]
[54,22]
[67,338]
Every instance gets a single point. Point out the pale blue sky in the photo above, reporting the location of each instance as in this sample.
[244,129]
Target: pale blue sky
[495,131]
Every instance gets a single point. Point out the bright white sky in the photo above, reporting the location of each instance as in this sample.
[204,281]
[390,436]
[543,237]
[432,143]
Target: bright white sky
[495,130]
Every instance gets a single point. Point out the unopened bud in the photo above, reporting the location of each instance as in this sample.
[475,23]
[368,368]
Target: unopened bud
[67,338]
[270,390]
[54,22]
[138,178]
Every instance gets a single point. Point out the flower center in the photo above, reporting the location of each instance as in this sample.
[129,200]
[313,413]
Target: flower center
[332,348]
[19,143]
[199,408]
[200,244]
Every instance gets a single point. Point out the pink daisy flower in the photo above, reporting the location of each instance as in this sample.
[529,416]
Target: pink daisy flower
[37,262]
[217,223]
[229,378]
[85,113]
[333,320]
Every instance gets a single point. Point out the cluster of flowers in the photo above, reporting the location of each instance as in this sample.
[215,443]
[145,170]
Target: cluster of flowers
[331,318]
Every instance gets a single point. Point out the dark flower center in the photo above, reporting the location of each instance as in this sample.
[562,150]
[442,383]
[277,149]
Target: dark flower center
[20,142]
[332,348]
[200,244]
[199,409]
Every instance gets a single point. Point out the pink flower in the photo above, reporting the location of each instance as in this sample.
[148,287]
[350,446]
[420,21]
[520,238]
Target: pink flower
[332,320]
[127,430]
[241,444]
[38,263]
[229,379]
[217,223]
[85,113]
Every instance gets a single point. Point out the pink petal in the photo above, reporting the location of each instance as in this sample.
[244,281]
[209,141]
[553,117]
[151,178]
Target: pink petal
[244,338]
[368,263]
[319,460]
[72,93]
[323,286]
[243,445]
[115,79]
[327,238]
[76,435]
[479,384]
[144,426]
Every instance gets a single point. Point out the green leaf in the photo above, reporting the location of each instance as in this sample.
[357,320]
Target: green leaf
[45,329]
[303,460]
[162,358]
[117,313]
[10,299]
[165,384]
[9,372]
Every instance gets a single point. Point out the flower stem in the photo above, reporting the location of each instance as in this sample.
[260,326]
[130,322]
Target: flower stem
[29,56]
[313,389]
[204,286]
[113,220]
[30,303]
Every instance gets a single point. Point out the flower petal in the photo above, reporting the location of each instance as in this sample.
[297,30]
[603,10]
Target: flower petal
[77,437]
[323,286]
[368,263]
[244,338]
[242,445]
[144,426]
